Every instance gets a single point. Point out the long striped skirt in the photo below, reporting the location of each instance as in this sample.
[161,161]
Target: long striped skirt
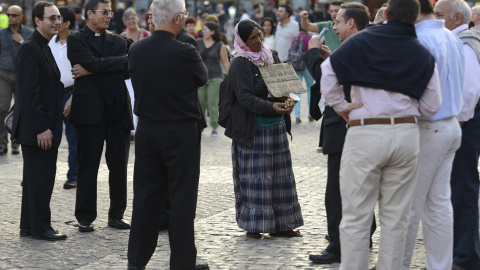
[265,192]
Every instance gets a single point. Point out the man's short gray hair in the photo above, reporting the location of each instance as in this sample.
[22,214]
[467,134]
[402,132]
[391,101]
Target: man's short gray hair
[164,10]
[460,6]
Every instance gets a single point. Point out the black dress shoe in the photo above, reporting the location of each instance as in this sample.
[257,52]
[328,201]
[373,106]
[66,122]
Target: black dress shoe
[85,226]
[118,223]
[70,183]
[203,266]
[130,267]
[15,150]
[325,258]
[25,232]
[50,235]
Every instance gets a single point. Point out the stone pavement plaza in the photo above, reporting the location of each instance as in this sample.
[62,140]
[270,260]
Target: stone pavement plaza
[218,239]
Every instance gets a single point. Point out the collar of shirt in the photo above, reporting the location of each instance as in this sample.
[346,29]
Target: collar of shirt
[459,29]
[429,24]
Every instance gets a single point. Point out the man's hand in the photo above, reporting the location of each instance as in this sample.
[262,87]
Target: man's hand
[68,105]
[17,38]
[325,52]
[314,42]
[280,108]
[45,139]
[78,71]
[304,15]
[350,108]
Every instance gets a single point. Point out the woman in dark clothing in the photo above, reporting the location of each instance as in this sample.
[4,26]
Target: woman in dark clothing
[265,193]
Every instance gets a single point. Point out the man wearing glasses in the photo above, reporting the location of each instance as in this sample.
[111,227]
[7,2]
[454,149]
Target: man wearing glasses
[10,40]
[101,112]
[37,122]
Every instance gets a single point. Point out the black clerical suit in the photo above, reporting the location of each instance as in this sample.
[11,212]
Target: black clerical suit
[165,74]
[332,138]
[38,107]
[101,111]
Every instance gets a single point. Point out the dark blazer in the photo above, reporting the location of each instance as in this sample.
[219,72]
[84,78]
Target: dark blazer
[166,93]
[186,37]
[334,128]
[106,85]
[38,99]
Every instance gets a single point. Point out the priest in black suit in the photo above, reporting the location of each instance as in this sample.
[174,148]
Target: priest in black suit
[166,74]
[101,112]
[37,122]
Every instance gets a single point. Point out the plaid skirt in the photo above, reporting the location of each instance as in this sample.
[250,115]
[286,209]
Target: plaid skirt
[265,192]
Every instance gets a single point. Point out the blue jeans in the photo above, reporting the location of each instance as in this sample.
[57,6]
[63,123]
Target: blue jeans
[72,142]
[309,80]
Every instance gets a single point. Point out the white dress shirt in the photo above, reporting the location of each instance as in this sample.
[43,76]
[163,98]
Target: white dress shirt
[59,52]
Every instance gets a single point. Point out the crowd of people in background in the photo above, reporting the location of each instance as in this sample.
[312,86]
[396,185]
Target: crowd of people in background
[400,126]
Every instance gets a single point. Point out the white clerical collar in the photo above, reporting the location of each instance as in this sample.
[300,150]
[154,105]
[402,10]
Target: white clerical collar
[98,34]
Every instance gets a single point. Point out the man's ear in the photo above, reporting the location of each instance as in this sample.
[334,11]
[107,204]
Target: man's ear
[67,24]
[458,19]
[37,22]
[89,14]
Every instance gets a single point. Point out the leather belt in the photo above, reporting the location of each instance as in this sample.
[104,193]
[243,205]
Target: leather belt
[382,121]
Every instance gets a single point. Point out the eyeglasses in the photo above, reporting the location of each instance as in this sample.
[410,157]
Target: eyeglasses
[105,12]
[12,15]
[54,18]
[184,13]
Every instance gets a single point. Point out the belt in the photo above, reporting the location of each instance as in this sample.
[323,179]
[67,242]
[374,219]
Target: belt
[382,121]
[68,89]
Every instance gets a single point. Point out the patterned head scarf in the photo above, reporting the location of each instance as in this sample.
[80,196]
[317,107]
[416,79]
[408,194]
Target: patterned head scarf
[261,58]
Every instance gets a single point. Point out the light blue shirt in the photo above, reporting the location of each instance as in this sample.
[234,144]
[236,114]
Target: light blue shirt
[447,49]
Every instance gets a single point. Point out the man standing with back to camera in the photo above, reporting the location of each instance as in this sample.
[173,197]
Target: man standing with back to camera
[166,74]
[100,111]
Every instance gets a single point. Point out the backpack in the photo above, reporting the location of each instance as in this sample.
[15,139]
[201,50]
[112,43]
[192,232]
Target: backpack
[227,97]
[296,53]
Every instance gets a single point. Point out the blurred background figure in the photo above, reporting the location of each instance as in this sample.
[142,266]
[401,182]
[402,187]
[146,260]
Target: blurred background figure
[190,23]
[268,26]
[380,17]
[222,16]
[116,23]
[214,55]
[133,30]
[475,18]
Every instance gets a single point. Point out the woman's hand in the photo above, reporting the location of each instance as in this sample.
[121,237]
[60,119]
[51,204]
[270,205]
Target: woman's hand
[280,108]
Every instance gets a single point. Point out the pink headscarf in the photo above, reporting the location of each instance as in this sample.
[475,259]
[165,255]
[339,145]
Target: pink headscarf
[261,58]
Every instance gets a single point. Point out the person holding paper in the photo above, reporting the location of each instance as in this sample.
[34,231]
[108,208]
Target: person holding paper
[265,193]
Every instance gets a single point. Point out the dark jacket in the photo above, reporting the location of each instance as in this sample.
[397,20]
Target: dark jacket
[105,87]
[251,100]
[38,99]
[334,128]
[167,92]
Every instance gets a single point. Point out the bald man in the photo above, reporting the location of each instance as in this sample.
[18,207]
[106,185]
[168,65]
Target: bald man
[10,40]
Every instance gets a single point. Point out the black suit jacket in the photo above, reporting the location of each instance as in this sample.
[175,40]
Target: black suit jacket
[38,99]
[165,76]
[334,128]
[106,85]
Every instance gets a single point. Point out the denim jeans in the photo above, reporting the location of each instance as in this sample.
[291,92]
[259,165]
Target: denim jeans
[71,135]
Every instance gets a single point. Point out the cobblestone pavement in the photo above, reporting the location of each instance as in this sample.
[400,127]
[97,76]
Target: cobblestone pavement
[218,239]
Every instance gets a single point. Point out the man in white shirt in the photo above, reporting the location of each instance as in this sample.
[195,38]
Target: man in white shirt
[465,179]
[285,32]
[58,46]
[440,137]
[391,88]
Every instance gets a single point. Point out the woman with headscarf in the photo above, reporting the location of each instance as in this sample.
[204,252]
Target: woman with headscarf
[265,192]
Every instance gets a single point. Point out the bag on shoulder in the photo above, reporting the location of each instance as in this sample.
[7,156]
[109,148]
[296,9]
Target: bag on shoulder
[296,54]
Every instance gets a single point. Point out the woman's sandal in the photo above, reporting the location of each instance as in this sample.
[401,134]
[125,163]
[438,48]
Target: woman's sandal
[253,235]
[290,233]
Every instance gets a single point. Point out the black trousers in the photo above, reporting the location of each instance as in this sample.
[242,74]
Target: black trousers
[39,168]
[90,140]
[333,203]
[167,164]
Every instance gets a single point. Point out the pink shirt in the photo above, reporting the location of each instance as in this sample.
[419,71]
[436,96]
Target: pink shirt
[379,103]
[471,83]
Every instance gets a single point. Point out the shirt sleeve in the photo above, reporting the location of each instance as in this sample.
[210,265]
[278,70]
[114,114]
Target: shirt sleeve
[431,99]
[471,85]
[331,89]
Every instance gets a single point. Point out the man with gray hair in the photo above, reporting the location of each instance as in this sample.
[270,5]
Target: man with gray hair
[166,166]
[464,180]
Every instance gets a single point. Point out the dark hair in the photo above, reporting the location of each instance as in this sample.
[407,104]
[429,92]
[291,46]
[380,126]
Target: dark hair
[336,3]
[190,20]
[358,12]
[39,10]
[271,22]
[426,7]
[256,6]
[245,29]
[288,9]
[68,15]
[93,5]
[403,10]
[217,35]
